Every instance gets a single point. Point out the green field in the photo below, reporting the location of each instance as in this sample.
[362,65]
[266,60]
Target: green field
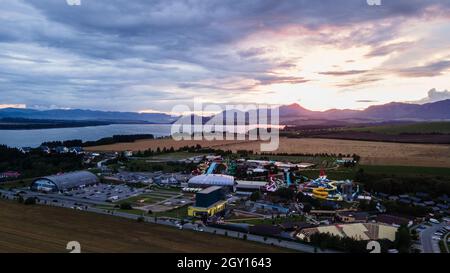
[21,183]
[414,128]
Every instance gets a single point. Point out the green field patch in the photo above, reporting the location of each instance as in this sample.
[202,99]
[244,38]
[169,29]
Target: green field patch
[143,199]
[180,212]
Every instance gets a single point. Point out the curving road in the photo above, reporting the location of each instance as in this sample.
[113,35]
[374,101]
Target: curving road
[428,244]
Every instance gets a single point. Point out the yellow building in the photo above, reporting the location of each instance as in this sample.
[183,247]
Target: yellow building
[209,211]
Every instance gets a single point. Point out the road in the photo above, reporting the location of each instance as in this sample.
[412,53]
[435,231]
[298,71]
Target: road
[428,244]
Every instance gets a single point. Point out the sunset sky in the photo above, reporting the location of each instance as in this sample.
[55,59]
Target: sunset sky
[142,55]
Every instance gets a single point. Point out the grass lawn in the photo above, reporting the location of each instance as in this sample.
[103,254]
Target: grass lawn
[146,198]
[180,212]
[21,183]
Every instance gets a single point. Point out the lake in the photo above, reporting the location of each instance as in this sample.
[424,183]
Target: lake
[34,138]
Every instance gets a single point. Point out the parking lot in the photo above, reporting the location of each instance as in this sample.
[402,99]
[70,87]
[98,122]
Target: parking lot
[431,234]
[105,192]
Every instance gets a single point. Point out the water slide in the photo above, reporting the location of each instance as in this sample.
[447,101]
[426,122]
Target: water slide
[211,168]
[288,179]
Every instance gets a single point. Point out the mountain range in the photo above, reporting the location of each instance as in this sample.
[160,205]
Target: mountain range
[393,111]
[289,114]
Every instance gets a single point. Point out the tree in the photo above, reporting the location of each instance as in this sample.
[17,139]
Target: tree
[285,193]
[307,207]
[30,201]
[403,239]
[255,196]
[20,199]
[126,206]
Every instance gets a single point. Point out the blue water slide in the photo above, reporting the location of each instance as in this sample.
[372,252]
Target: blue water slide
[211,168]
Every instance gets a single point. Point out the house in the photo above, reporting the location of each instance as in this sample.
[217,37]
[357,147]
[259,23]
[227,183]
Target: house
[9,175]
[357,231]
[76,150]
[393,220]
[25,150]
[352,216]
[61,150]
[45,149]
[415,199]
[346,160]
[444,198]
[265,230]
[295,226]
[383,195]
[422,194]
[393,198]
[404,201]
[436,209]
[128,153]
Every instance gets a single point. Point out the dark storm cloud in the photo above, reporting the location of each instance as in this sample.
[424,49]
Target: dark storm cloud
[115,54]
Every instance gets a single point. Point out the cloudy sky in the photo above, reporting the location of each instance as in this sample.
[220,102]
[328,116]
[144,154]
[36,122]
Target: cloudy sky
[143,55]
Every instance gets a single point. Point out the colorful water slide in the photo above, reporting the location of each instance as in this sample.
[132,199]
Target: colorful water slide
[211,168]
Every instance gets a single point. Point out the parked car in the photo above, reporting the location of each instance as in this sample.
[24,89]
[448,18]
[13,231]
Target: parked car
[434,221]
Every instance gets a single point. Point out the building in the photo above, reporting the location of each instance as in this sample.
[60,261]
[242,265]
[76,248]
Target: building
[207,180]
[265,230]
[352,216]
[247,187]
[357,231]
[295,226]
[61,150]
[45,149]
[393,220]
[64,181]
[25,150]
[208,202]
[9,175]
[268,207]
[76,150]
